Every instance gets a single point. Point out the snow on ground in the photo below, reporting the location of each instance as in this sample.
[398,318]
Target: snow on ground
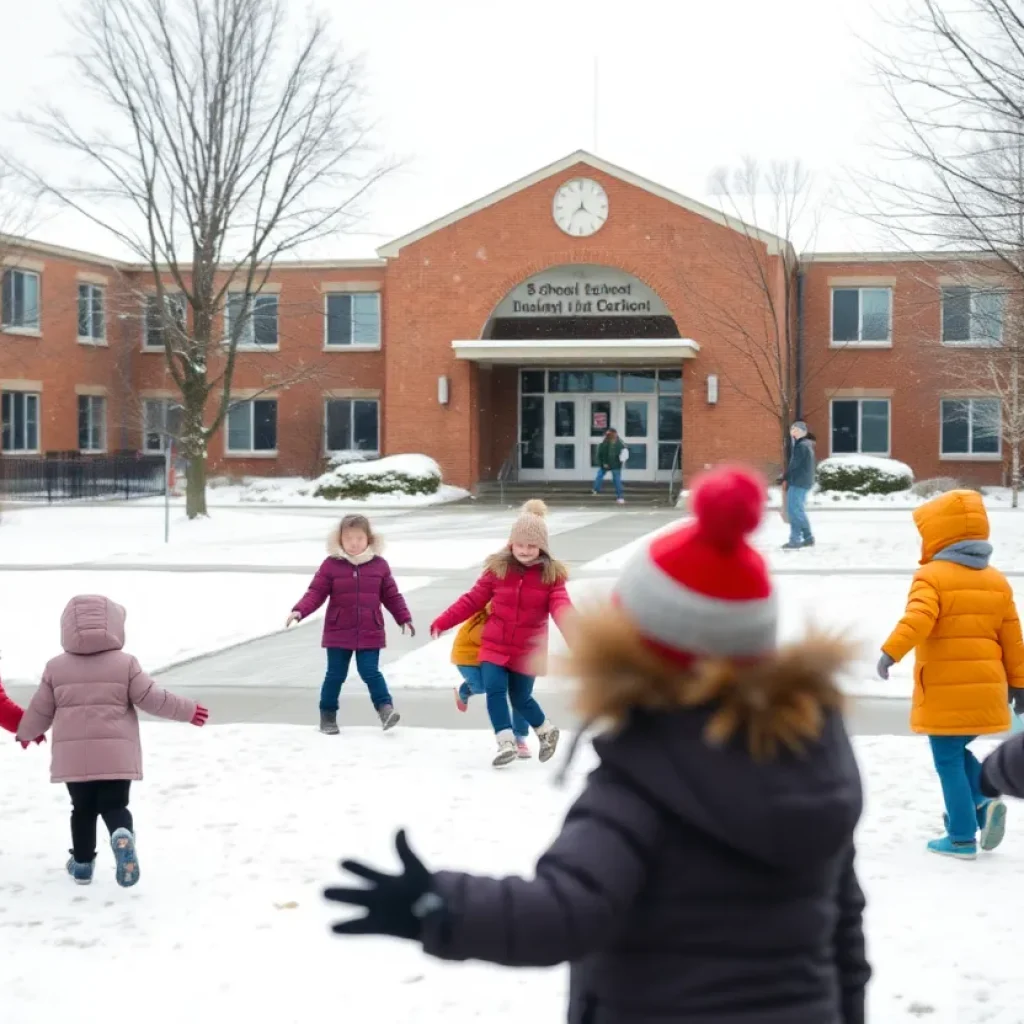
[228,920]
[172,617]
[296,491]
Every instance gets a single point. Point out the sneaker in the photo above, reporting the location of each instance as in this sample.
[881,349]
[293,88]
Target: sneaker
[122,842]
[80,872]
[548,736]
[945,847]
[329,723]
[793,545]
[620,501]
[506,750]
[388,716]
[522,749]
[808,542]
[992,822]
[461,704]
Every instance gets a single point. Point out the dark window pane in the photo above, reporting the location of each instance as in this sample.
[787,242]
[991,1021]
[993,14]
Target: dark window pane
[565,419]
[99,326]
[8,298]
[844,428]
[985,426]
[638,381]
[240,428]
[84,311]
[83,422]
[264,320]
[339,425]
[845,314]
[30,438]
[570,381]
[593,456]
[667,457]
[366,319]
[636,419]
[364,425]
[565,456]
[600,418]
[874,314]
[987,316]
[532,382]
[874,427]
[7,404]
[955,427]
[956,314]
[264,425]
[339,319]
[637,457]
[531,432]
[670,382]
[670,417]
[606,380]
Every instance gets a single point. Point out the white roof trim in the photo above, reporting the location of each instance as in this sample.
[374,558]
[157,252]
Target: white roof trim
[581,156]
[901,256]
[630,351]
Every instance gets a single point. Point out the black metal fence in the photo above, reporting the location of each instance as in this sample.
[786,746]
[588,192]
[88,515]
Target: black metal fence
[71,476]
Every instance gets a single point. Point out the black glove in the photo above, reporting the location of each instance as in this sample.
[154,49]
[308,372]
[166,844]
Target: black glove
[1017,700]
[395,904]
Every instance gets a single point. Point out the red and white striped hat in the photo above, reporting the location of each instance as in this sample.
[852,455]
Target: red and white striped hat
[701,590]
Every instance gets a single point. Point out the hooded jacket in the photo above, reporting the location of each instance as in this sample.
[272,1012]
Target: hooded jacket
[354,587]
[962,623]
[800,471]
[691,883]
[89,695]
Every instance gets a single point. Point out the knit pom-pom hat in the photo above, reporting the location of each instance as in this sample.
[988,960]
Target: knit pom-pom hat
[701,591]
[531,526]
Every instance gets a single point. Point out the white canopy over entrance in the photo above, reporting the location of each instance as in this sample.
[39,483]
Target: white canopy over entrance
[627,351]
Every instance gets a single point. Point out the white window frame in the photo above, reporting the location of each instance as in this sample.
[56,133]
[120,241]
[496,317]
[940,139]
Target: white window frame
[171,298]
[362,346]
[33,329]
[92,290]
[970,456]
[860,426]
[247,343]
[91,401]
[858,343]
[37,398]
[250,452]
[355,452]
[166,404]
[971,342]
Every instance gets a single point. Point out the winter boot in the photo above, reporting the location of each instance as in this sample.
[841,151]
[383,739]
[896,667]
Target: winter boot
[793,545]
[548,736]
[80,872]
[329,723]
[523,749]
[122,842]
[507,752]
[388,716]
[945,847]
[992,822]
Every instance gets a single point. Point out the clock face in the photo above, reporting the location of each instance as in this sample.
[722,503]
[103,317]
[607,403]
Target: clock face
[580,207]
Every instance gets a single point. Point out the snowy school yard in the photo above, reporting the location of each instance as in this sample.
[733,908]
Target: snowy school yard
[241,825]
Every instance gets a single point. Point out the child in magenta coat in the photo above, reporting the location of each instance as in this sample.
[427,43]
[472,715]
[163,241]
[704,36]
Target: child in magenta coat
[524,586]
[354,581]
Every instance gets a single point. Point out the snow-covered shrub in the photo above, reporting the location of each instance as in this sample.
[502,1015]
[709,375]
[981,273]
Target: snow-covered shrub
[396,474]
[936,485]
[864,474]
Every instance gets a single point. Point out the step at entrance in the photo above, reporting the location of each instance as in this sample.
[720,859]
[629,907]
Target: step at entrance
[573,492]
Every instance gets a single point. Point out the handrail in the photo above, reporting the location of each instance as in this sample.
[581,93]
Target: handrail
[509,470]
[676,464]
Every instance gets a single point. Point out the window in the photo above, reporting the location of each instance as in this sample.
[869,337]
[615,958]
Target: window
[861,316]
[971,426]
[21,300]
[252,426]
[91,321]
[92,423]
[161,423]
[860,426]
[352,425]
[260,327]
[174,306]
[20,421]
[971,316]
[353,320]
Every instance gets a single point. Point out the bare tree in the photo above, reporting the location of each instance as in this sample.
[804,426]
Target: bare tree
[227,149]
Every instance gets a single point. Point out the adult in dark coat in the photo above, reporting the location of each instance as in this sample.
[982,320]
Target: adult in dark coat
[706,873]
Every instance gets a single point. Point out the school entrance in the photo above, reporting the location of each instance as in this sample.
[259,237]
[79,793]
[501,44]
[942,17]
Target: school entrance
[593,348]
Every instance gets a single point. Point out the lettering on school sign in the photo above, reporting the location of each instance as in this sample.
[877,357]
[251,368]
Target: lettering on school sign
[581,291]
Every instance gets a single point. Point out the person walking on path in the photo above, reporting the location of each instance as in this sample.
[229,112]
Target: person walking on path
[466,658]
[797,481]
[355,582]
[89,695]
[961,621]
[524,586]
[706,872]
[610,459]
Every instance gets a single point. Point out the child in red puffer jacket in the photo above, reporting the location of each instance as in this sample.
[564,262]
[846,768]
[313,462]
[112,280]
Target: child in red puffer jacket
[11,715]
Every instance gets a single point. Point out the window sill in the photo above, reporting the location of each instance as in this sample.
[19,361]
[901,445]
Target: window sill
[860,344]
[152,350]
[29,453]
[252,348]
[971,344]
[22,332]
[971,458]
[860,455]
[352,454]
[352,348]
[94,342]
[250,455]
[92,451]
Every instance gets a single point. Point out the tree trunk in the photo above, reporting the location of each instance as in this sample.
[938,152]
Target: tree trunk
[1014,474]
[195,489]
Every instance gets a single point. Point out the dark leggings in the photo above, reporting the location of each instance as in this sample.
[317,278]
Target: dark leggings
[91,800]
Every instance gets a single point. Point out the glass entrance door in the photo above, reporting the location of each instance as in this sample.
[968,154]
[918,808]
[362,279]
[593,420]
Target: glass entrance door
[565,454]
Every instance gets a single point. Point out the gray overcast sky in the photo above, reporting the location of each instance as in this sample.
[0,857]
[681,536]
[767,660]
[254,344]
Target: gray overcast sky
[476,93]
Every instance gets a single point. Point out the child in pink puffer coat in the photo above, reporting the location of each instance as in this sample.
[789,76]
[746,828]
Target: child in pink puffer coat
[89,695]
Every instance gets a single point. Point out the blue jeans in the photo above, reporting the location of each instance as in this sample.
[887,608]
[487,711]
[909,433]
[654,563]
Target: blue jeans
[796,507]
[960,778]
[616,479]
[368,667]
[501,686]
[474,683]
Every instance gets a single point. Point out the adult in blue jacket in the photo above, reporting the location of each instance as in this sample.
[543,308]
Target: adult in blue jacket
[799,479]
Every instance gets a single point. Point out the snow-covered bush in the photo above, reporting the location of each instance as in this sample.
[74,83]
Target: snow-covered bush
[864,474]
[936,485]
[396,474]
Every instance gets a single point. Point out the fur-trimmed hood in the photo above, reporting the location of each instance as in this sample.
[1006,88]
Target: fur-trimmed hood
[335,550]
[755,755]
[499,563]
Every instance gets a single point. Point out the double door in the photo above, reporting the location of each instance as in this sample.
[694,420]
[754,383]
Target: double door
[576,425]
